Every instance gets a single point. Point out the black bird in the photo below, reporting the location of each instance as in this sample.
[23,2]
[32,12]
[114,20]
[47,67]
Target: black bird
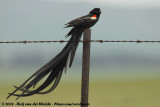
[56,66]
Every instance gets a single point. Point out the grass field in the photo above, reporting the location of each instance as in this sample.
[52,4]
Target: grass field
[102,93]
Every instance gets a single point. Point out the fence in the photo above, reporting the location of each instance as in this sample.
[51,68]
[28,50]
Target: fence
[86,58]
[82,41]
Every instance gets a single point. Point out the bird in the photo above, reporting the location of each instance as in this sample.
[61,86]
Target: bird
[55,67]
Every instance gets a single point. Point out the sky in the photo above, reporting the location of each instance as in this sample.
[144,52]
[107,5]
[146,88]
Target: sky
[127,3]
[45,19]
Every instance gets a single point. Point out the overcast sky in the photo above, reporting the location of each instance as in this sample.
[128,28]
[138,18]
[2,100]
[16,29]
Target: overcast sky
[45,19]
[127,3]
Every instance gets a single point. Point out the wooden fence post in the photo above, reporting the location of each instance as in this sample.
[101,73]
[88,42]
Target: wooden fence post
[85,68]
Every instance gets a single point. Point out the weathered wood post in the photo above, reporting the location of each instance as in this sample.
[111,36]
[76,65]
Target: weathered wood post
[85,68]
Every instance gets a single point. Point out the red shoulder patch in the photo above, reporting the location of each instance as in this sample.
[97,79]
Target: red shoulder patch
[94,16]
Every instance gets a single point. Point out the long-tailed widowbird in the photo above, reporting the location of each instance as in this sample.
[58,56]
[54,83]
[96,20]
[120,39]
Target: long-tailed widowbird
[56,66]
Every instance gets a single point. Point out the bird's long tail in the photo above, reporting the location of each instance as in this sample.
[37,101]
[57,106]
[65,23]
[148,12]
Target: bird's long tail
[54,68]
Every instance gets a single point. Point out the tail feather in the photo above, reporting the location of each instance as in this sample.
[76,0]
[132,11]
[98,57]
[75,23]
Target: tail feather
[74,47]
[47,82]
[57,79]
[54,68]
[70,32]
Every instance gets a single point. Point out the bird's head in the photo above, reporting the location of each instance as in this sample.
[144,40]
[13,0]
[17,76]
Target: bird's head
[96,11]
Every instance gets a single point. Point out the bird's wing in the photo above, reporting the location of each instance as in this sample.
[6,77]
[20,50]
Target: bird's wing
[79,21]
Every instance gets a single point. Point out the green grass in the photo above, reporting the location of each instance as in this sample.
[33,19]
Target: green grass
[102,93]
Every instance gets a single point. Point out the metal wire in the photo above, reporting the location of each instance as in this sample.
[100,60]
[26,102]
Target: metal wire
[99,41]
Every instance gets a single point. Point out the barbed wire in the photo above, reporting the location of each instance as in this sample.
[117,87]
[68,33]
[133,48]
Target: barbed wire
[82,41]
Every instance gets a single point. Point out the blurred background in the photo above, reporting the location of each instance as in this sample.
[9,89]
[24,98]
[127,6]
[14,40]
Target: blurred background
[121,74]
